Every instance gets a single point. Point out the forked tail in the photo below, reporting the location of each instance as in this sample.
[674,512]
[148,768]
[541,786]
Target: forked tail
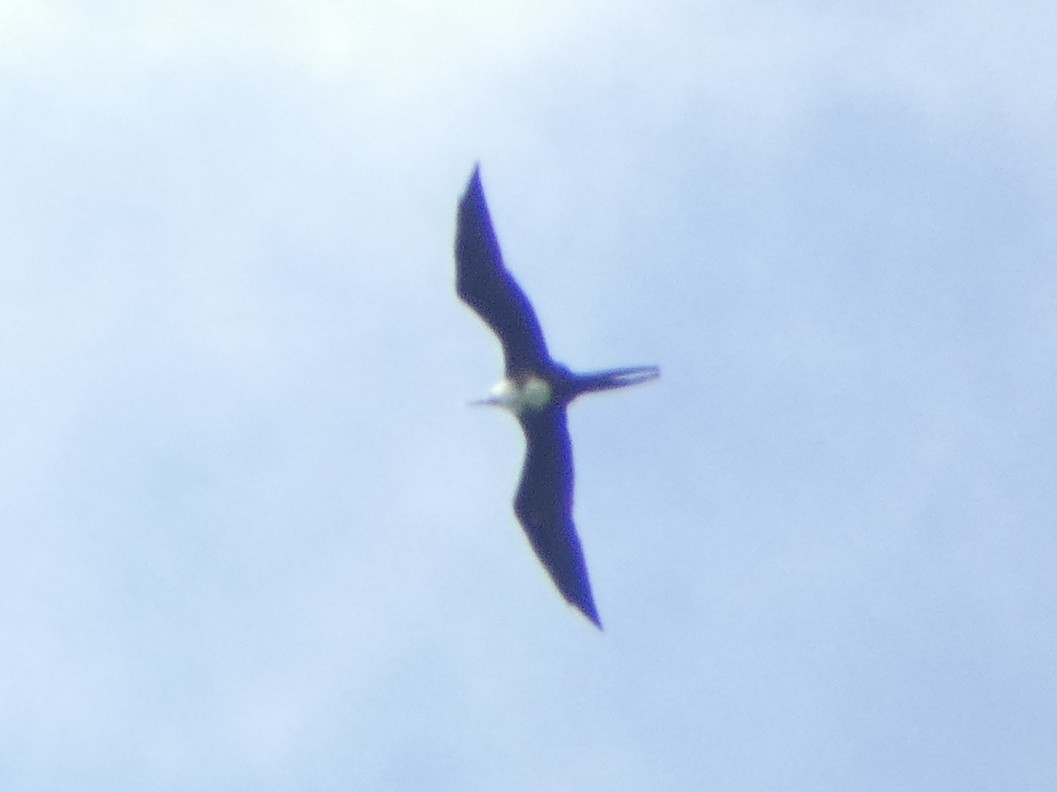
[615,378]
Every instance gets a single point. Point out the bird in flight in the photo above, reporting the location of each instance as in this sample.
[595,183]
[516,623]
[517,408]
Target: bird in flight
[536,389]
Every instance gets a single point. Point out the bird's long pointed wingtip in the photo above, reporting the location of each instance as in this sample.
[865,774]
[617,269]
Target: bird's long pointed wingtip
[473,195]
[587,608]
[475,177]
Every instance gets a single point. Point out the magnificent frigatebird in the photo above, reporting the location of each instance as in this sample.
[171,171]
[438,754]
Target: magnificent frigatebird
[536,389]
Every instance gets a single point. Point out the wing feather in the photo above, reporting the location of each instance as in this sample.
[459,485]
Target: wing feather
[544,505]
[483,283]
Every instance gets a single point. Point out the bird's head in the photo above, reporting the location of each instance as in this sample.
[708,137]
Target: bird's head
[531,393]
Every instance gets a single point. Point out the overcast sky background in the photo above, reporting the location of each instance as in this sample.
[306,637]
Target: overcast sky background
[252,538]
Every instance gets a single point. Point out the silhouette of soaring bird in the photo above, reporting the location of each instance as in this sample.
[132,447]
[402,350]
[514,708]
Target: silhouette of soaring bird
[536,389]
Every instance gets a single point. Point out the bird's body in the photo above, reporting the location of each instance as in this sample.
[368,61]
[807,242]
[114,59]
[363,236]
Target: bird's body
[536,389]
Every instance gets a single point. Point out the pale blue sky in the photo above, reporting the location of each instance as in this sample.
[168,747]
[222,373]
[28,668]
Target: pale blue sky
[252,538]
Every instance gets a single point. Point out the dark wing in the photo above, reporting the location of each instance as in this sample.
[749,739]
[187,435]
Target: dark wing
[544,505]
[485,285]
